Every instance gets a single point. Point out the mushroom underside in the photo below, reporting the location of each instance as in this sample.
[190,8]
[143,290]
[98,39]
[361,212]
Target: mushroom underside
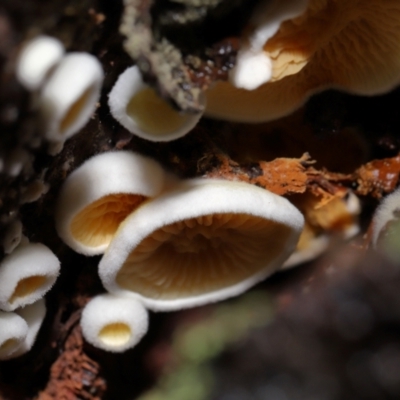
[28,286]
[202,255]
[115,334]
[163,120]
[77,108]
[97,223]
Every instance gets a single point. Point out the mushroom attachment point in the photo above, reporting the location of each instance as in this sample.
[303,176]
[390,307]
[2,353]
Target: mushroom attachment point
[69,97]
[36,60]
[26,275]
[13,331]
[139,109]
[202,241]
[100,194]
[114,323]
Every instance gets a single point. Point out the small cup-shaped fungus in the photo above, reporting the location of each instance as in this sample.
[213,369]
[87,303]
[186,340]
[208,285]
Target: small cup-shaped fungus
[13,331]
[139,109]
[69,97]
[386,226]
[36,60]
[202,241]
[340,44]
[26,275]
[114,323]
[33,315]
[98,196]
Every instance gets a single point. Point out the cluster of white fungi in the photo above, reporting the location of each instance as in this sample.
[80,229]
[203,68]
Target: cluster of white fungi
[167,243]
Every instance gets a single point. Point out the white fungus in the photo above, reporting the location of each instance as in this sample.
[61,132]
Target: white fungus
[253,66]
[17,161]
[139,109]
[26,275]
[69,97]
[33,315]
[34,191]
[36,60]
[114,323]
[97,197]
[202,241]
[13,332]
[12,237]
[386,226]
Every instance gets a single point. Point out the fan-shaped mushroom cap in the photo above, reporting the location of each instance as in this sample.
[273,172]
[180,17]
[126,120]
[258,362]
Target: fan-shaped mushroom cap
[98,196]
[386,226]
[13,331]
[69,97]
[202,241]
[33,315]
[36,60]
[139,109]
[26,275]
[350,45]
[114,323]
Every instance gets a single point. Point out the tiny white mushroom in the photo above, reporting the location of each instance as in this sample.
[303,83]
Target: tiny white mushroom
[13,331]
[138,108]
[386,226]
[353,207]
[54,148]
[202,241]
[69,97]
[12,237]
[26,275]
[34,191]
[17,161]
[114,323]
[98,196]
[36,60]
[33,315]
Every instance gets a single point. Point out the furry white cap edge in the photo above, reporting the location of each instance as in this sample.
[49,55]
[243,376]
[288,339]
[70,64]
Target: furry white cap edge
[33,315]
[36,59]
[104,174]
[190,199]
[26,275]
[129,84]
[69,97]
[114,323]
[13,331]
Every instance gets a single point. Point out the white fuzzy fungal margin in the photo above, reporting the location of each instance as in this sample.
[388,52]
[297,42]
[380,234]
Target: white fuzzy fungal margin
[114,323]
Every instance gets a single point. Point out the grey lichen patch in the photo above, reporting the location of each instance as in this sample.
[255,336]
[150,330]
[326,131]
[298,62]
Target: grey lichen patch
[160,61]
[190,11]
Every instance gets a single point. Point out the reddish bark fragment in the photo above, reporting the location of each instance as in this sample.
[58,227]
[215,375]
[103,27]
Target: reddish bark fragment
[378,177]
[280,176]
[74,375]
